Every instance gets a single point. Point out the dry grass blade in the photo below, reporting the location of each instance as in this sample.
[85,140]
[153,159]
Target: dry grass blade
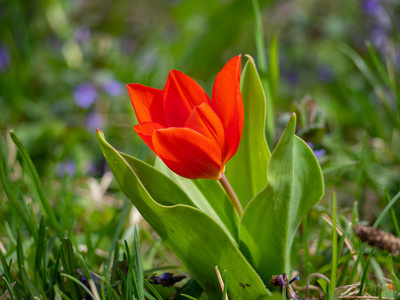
[221,282]
[6,294]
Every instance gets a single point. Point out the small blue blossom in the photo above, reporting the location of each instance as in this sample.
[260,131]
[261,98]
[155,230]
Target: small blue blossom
[94,120]
[113,87]
[371,7]
[318,153]
[85,95]
[85,281]
[67,167]
[82,34]
[4,59]
[166,279]
[325,73]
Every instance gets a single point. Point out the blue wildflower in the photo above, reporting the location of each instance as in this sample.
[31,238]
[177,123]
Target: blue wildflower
[113,87]
[85,95]
[318,153]
[94,120]
[167,279]
[66,168]
[4,59]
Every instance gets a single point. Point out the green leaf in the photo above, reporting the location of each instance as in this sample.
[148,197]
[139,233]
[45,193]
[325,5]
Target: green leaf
[195,238]
[32,290]
[208,196]
[271,219]
[246,171]
[38,185]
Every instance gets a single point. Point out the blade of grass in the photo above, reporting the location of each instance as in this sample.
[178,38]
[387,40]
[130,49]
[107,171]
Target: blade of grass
[124,284]
[395,280]
[225,292]
[150,287]
[20,257]
[365,272]
[9,287]
[10,196]
[262,67]
[385,210]
[72,278]
[376,224]
[6,267]
[131,280]
[88,241]
[342,239]
[117,230]
[139,265]
[334,249]
[381,69]
[67,268]
[31,288]
[188,297]
[13,242]
[40,245]
[35,176]
[371,78]
[109,288]
[149,296]
[393,217]
[59,293]
[93,287]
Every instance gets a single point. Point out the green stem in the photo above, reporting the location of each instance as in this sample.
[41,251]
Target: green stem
[231,194]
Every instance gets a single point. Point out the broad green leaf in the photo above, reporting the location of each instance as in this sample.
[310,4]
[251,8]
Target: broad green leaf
[246,171]
[271,219]
[195,238]
[209,196]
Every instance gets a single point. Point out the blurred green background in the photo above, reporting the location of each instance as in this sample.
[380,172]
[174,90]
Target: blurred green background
[64,64]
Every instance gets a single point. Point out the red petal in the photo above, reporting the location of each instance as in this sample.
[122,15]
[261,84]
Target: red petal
[188,153]
[146,131]
[147,103]
[228,104]
[181,95]
[204,120]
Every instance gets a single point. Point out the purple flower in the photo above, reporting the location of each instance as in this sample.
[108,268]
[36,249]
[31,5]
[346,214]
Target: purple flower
[113,87]
[167,279]
[85,95]
[4,59]
[94,120]
[85,281]
[82,34]
[325,73]
[318,153]
[371,7]
[378,37]
[66,168]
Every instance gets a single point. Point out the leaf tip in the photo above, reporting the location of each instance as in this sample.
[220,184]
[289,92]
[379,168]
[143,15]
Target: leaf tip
[100,133]
[249,57]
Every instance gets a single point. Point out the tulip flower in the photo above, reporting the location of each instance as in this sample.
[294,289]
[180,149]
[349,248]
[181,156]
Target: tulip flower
[192,134]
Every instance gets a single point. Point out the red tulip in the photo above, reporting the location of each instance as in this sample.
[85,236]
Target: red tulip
[192,134]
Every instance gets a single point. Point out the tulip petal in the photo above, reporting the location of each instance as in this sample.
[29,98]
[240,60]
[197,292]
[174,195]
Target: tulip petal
[205,121]
[188,153]
[147,103]
[146,131]
[181,95]
[228,104]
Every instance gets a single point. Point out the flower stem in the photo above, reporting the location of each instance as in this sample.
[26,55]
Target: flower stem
[231,194]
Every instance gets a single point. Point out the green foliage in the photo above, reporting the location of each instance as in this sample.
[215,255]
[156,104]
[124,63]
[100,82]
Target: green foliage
[253,154]
[271,219]
[185,229]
